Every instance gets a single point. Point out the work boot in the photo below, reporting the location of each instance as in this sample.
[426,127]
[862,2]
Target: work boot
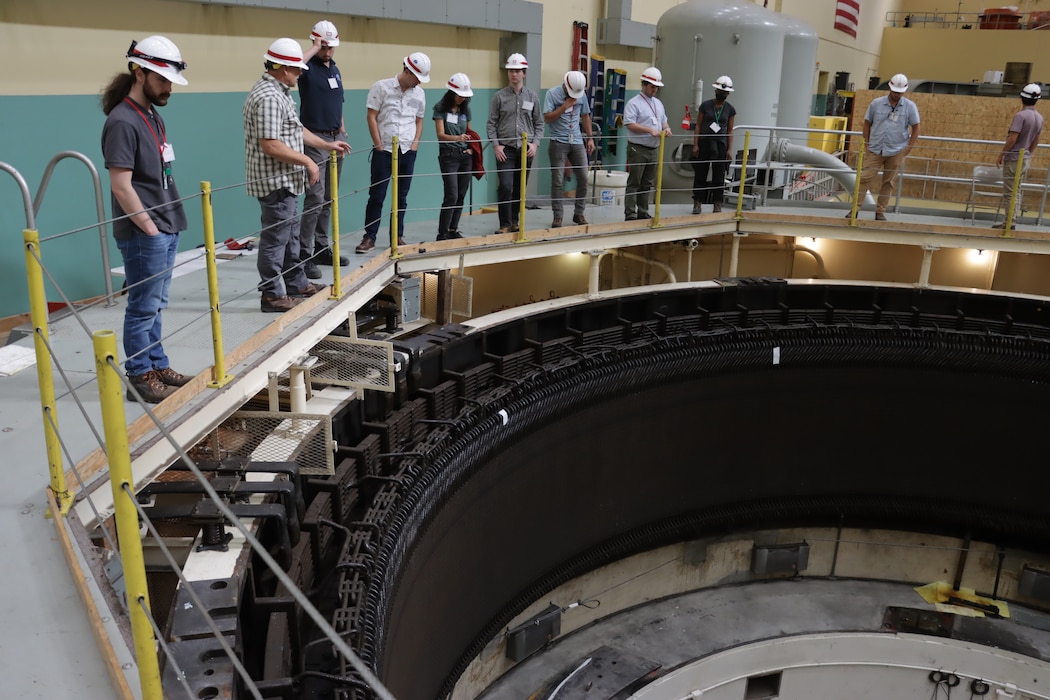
[324,257]
[278,305]
[717,207]
[150,387]
[312,271]
[171,377]
[307,291]
[696,208]
[365,245]
[580,220]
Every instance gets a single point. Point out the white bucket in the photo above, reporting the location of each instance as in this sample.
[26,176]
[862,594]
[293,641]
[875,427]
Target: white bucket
[610,186]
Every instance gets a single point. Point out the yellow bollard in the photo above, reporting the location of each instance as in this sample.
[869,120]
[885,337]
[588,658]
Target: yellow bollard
[111,396]
[519,237]
[48,411]
[743,177]
[856,186]
[219,376]
[655,222]
[395,234]
[1013,196]
[333,231]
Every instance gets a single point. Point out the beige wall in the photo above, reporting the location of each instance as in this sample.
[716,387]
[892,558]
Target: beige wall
[960,55]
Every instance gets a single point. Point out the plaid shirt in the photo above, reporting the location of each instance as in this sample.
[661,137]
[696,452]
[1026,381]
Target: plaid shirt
[270,113]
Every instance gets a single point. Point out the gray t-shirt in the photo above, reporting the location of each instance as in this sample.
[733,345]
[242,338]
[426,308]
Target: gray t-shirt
[134,138]
[1028,123]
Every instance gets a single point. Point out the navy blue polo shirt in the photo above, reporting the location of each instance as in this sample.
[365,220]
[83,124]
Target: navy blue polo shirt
[321,105]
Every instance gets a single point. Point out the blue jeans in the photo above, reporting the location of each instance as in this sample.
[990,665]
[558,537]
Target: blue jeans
[148,262]
[382,169]
[278,263]
[455,172]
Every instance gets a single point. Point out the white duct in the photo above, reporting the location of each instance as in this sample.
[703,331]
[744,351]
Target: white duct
[783,151]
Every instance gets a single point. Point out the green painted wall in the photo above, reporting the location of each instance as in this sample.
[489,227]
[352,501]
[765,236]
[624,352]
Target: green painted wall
[206,131]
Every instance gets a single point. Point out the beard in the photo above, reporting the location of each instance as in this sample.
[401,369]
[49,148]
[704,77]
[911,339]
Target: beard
[156,97]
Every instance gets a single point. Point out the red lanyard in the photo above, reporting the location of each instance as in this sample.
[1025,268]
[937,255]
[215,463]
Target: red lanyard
[655,115]
[164,138]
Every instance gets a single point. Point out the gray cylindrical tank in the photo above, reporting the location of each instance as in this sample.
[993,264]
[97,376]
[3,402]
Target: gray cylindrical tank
[796,76]
[704,39]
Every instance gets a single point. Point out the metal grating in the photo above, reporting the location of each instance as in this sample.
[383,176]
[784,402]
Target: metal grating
[265,436]
[428,296]
[366,364]
[462,303]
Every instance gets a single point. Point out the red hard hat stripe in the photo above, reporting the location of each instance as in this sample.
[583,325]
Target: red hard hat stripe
[271,54]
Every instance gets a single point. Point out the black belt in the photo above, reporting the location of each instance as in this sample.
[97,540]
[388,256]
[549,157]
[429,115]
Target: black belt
[334,132]
[651,148]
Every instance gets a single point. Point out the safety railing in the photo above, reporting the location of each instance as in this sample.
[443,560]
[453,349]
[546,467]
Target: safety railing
[992,18]
[776,182]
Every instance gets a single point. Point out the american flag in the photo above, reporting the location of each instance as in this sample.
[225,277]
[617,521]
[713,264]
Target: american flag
[847,16]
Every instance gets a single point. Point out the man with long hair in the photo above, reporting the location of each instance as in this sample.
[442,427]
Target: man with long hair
[147,210]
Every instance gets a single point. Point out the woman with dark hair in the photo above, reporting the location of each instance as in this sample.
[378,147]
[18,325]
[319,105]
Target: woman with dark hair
[452,120]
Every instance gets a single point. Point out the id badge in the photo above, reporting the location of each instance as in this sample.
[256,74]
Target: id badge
[167,153]
[333,83]
[527,106]
[715,128]
[452,118]
[893,117]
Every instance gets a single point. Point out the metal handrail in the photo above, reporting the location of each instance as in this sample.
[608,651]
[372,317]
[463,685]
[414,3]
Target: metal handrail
[26,199]
[99,206]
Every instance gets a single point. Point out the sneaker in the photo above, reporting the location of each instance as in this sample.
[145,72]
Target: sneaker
[307,291]
[717,207]
[631,217]
[278,305]
[452,235]
[879,216]
[150,387]
[365,245]
[1001,224]
[312,271]
[324,257]
[503,229]
[171,377]
[696,208]
[580,220]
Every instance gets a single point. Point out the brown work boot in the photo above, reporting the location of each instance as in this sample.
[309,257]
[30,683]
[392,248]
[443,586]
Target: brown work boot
[308,291]
[171,377]
[717,207]
[278,305]
[150,387]
[580,220]
[365,245]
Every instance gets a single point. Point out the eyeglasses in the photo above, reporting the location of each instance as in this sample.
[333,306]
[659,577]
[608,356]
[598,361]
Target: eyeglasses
[133,52]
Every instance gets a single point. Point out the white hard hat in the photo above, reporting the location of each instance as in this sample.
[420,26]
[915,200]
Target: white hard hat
[286,52]
[326,32]
[653,75]
[517,62]
[1032,91]
[160,55]
[575,84]
[459,83]
[724,83]
[899,83]
[419,64]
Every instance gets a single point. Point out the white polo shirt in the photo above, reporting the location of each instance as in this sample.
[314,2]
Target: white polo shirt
[397,112]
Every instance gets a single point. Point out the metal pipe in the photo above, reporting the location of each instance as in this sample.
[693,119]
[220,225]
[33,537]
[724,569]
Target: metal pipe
[783,151]
[648,261]
[927,263]
[100,210]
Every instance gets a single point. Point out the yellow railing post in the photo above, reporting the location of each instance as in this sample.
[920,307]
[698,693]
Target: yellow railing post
[41,339]
[743,176]
[856,186]
[219,377]
[333,231]
[519,237]
[655,223]
[111,396]
[1014,195]
[395,234]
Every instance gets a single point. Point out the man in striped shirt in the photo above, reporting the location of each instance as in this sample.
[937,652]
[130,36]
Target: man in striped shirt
[274,141]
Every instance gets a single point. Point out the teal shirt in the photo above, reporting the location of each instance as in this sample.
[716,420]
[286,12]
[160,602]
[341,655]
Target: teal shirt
[455,125]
